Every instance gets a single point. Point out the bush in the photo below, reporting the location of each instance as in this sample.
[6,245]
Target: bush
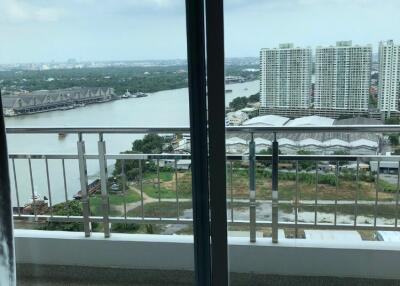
[125,227]
[72,208]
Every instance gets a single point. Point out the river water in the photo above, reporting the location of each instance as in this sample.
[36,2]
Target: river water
[161,109]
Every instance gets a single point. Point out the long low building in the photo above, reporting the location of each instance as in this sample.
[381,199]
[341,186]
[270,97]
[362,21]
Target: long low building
[322,143]
[47,100]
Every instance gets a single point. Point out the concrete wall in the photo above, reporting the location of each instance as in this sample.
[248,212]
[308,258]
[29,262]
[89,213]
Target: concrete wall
[368,259]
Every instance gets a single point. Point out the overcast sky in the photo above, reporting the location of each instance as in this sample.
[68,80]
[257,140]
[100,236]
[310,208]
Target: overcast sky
[46,30]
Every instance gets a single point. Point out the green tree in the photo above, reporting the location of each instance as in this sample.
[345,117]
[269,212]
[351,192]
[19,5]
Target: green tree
[254,97]
[150,144]
[238,103]
[392,121]
[394,139]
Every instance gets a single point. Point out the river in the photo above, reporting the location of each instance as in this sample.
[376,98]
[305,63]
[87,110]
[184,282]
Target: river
[160,109]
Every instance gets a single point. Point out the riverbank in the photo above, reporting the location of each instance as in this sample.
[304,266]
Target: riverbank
[167,108]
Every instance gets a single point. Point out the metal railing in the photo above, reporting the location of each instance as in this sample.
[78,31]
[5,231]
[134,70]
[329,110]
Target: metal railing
[270,163]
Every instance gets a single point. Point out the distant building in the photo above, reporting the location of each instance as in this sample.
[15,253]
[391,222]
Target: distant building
[47,100]
[389,77]
[181,144]
[266,120]
[285,77]
[236,118]
[342,77]
[328,143]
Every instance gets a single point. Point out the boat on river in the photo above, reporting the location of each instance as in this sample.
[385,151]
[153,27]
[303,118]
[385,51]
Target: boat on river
[139,94]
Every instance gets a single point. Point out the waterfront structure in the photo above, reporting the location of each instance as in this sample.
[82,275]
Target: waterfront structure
[342,77]
[48,100]
[285,77]
[389,77]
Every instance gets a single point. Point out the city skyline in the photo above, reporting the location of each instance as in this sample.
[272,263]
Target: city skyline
[45,31]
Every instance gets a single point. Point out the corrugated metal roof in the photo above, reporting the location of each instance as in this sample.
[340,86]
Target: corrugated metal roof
[335,142]
[310,141]
[235,140]
[313,120]
[262,141]
[363,142]
[285,141]
[267,120]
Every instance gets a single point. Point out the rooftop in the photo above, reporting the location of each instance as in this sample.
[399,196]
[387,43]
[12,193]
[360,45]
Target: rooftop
[266,120]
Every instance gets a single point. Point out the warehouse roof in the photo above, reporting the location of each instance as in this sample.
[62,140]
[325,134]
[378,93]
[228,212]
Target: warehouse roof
[310,141]
[262,141]
[235,140]
[313,120]
[266,120]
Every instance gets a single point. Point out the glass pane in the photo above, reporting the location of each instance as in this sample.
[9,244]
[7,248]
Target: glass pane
[297,67]
[101,75]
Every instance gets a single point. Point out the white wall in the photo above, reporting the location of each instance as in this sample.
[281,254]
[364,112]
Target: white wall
[371,259]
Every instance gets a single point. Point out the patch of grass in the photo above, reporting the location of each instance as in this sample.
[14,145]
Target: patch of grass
[114,199]
[152,191]
[387,187]
[383,211]
[167,189]
[164,176]
[164,209]
[347,186]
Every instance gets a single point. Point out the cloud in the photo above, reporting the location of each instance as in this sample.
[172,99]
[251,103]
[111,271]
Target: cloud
[23,11]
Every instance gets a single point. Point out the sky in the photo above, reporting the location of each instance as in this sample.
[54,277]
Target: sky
[100,30]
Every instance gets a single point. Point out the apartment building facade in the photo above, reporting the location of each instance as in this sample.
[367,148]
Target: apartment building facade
[389,77]
[285,77]
[342,76]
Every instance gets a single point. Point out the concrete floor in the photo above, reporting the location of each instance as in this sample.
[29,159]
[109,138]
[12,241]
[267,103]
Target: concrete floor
[44,275]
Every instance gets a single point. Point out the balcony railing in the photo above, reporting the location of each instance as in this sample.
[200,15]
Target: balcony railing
[251,218]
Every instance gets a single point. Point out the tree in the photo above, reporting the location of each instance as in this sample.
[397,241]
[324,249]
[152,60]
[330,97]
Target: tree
[394,139]
[254,97]
[238,103]
[392,121]
[150,144]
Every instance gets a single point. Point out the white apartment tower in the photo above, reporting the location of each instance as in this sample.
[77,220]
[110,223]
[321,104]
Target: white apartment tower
[285,77]
[389,76]
[342,76]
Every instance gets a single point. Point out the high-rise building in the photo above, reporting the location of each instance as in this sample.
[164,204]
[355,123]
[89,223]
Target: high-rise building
[389,76]
[342,76]
[285,77]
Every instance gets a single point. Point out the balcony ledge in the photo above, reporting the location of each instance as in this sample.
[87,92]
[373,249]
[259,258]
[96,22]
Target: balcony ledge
[290,257]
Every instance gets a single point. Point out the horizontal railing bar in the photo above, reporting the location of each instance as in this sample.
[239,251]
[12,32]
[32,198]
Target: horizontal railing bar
[146,156]
[233,157]
[167,130]
[147,220]
[99,219]
[43,156]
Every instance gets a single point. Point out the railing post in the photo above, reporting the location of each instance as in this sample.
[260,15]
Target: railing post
[84,185]
[275,158]
[103,180]
[252,188]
